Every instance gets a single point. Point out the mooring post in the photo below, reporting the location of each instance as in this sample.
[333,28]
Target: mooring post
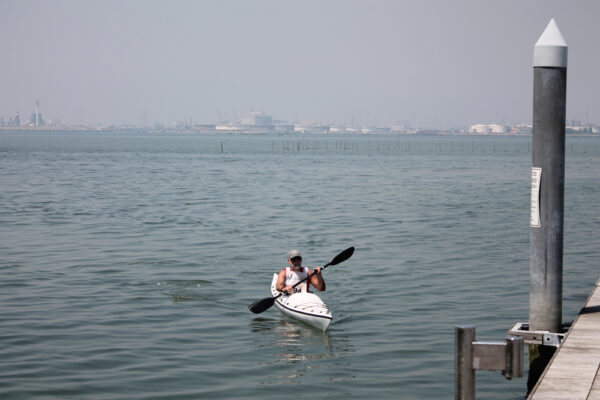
[464,374]
[547,186]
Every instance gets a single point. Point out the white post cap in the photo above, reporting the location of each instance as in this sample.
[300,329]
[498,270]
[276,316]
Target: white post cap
[551,49]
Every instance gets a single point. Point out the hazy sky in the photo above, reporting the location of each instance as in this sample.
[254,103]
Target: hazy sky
[427,63]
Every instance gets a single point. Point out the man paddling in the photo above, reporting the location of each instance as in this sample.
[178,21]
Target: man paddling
[295,273]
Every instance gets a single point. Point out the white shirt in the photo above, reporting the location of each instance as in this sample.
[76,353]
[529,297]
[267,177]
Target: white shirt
[293,277]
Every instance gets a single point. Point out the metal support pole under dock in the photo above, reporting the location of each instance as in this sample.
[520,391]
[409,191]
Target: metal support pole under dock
[471,355]
[464,374]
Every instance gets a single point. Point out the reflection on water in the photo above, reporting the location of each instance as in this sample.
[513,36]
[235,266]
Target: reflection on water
[290,334]
[297,348]
[299,342]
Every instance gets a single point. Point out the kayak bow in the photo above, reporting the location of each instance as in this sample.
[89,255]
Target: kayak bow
[303,306]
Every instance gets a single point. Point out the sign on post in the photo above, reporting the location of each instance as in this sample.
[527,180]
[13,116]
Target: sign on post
[536,178]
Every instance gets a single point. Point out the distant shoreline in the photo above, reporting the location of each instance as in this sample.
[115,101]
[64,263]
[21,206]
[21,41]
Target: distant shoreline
[427,132]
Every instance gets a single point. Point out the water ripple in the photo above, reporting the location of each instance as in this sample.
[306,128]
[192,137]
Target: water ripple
[128,261]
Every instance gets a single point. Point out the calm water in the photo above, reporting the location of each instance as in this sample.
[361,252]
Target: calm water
[128,261]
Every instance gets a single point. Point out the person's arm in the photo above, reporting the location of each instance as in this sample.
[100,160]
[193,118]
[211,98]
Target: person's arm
[317,280]
[281,283]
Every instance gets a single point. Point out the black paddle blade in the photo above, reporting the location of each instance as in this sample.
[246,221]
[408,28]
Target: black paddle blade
[343,256]
[261,305]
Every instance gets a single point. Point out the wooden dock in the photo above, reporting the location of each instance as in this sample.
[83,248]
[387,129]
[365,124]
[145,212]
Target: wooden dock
[574,371]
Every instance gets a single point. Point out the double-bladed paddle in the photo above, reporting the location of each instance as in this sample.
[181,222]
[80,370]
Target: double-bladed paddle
[264,304]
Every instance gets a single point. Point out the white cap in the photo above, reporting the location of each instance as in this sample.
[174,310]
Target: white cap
[551,49]
[294,253]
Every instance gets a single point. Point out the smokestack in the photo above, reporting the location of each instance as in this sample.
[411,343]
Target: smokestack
[37,114]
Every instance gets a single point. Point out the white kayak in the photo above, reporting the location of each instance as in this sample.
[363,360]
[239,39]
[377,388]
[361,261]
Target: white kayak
[303,306]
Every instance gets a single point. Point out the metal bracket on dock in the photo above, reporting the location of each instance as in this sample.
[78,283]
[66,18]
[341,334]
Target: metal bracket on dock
[470,356]
[544,338]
